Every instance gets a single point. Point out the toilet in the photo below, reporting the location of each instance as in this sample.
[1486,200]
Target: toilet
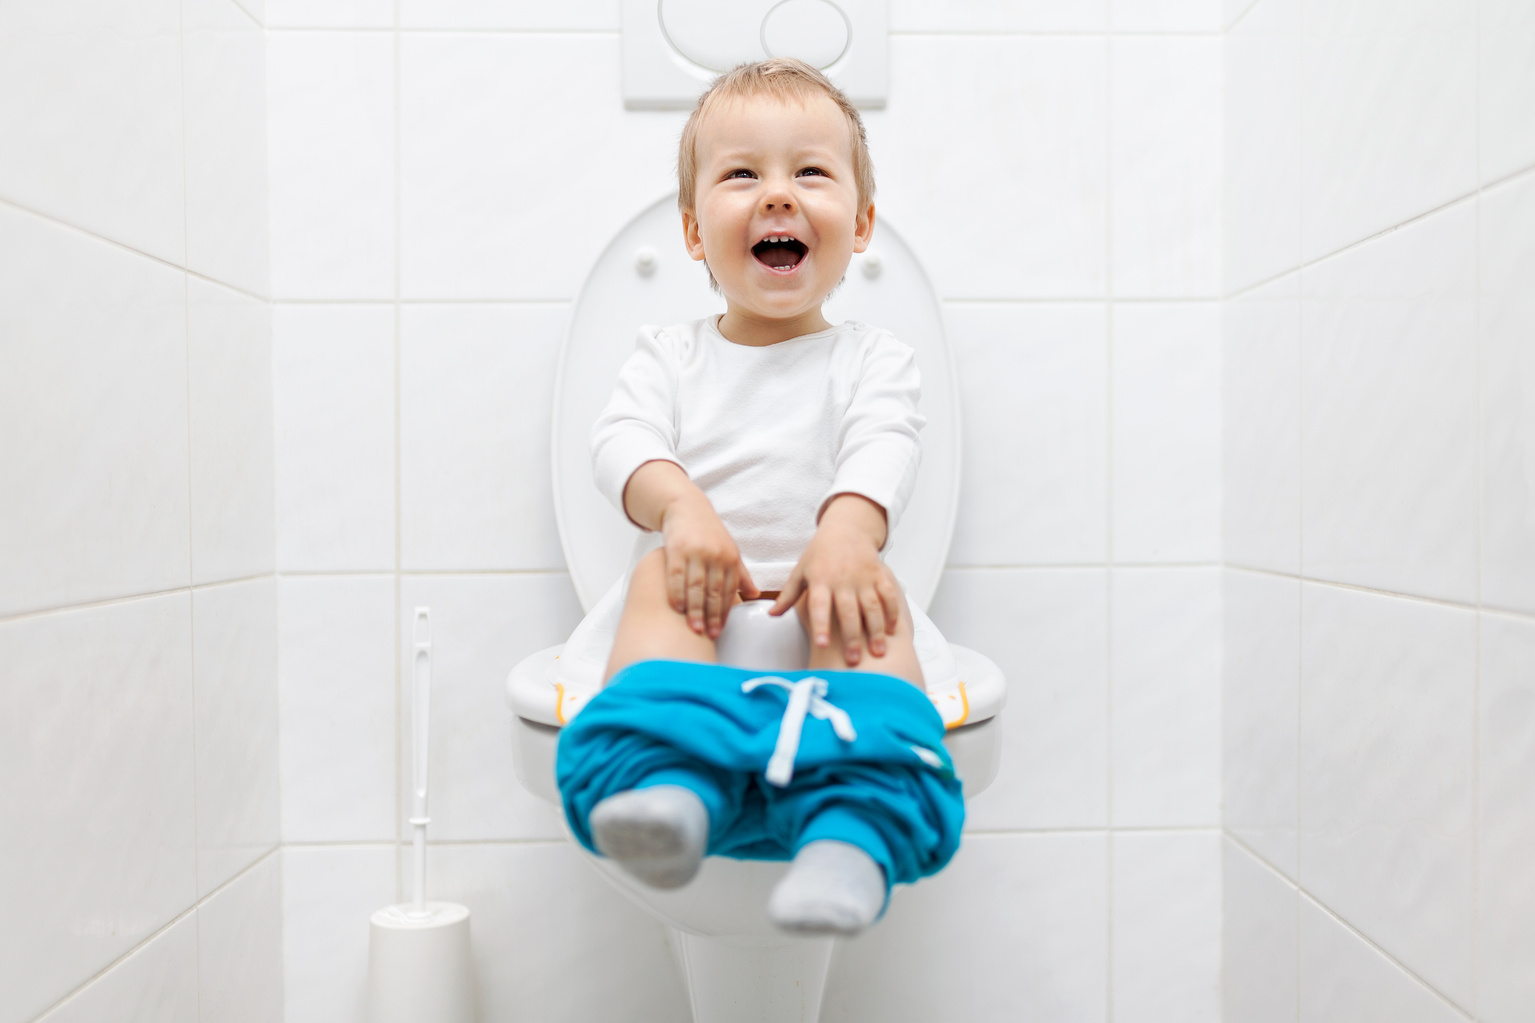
[736,966]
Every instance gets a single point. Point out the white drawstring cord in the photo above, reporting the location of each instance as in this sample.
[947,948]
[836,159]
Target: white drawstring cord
[807,696]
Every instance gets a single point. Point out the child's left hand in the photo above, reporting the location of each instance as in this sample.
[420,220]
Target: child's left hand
[842,573]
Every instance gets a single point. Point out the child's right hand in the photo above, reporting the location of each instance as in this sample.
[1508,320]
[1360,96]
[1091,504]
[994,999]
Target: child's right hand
[704,570]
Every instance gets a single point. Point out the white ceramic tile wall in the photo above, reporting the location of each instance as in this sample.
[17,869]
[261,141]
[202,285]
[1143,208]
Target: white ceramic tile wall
[1262,173]
[1389,424]
[334,412]
[1343,978]
[157,983]
[1506,90]
[1260,708]
[1387,763]
[1260,389]
[1507,318]
[229,360]
[140,729]
[91,114]
[1164,696]
[1015,928]
[1046,629]
[575,15]
[338,699]
[1034,479]
[1258,934]
[481,626]
[95,419]
[1166,416]
[328,893]
[907,16]
[1165,160]
[234,672]
[331,132]
[239,948]
[1507,821]
[1389,117]
[1166,925]
[475,407]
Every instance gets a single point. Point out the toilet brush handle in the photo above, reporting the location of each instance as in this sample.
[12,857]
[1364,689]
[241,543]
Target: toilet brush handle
[421,723]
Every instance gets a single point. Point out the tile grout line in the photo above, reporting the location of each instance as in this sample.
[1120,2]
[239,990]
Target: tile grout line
[1478,461]
[197,904]
[1108,524]
[399,608]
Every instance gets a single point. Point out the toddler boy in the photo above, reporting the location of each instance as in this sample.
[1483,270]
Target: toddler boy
[766,448]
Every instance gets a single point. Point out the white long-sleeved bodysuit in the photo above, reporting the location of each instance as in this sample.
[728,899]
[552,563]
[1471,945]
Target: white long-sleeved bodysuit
[769,434]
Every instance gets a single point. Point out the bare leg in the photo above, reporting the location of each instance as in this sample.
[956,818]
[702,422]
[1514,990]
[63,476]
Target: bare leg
[900,657]
[649,628]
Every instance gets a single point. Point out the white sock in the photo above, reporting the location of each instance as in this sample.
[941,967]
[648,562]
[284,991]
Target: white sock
[657,834]
[831,888]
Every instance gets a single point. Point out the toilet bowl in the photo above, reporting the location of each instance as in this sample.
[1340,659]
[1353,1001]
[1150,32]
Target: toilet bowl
[736,966]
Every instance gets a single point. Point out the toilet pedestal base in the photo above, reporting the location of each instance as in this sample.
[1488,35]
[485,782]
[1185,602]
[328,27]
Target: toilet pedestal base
[753,980]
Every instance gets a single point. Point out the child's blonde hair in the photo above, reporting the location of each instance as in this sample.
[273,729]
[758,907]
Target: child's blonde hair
[783,78]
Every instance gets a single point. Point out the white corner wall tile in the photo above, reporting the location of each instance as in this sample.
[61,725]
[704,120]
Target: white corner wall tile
[1260,707]
[1506,886]
[96,733]
[331,136]
[1166,410]
[1258,940]
[337,686]
[999,16]
[1388,721]
[1262,144]
[234,668]
[255,8]
[240,948]
[482,625]
[94,411]
[1034,389]
[1389,392]
[1006,198]
[1045,628]
[1165,165]
[1167,928]
[573,15]
[1389,117]
[1507,319]
[1343,978]
[523,969]
[156,984]
[506,174]
[328,893]
[1165,15]
[224,54]
[229,365]
[334,386]
[1261,397]
[1165,690]
[91,115]
[1013,929]
[1507,87]
[476,394]
[330,13]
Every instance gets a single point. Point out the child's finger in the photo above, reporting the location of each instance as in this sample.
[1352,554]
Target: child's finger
[873,620]
[851,622]
[695,606]
[820,615]
[714,581]
[676,581]
[789,595]
[890,596]
[746,587]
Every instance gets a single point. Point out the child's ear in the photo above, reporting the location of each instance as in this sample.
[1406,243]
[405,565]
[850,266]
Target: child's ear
[690,236]
[863,228]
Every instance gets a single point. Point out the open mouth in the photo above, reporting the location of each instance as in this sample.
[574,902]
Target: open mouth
[780,251]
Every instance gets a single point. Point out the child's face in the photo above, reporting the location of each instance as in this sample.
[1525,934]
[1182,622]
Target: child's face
[770,169]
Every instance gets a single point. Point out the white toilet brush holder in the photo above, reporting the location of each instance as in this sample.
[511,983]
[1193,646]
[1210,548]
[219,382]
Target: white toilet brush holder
[419,965]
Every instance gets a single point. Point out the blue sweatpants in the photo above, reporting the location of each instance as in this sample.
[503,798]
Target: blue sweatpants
[892,791]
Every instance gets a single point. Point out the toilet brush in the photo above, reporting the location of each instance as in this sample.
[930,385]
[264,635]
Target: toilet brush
[419,969]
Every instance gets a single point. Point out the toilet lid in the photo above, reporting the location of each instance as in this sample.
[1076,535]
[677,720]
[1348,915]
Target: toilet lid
[645,276]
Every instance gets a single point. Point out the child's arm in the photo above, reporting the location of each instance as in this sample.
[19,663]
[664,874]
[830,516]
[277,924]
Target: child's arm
[842,573]
[704,569]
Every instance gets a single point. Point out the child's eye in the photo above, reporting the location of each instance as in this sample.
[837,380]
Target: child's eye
[740,172]
[812,170]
